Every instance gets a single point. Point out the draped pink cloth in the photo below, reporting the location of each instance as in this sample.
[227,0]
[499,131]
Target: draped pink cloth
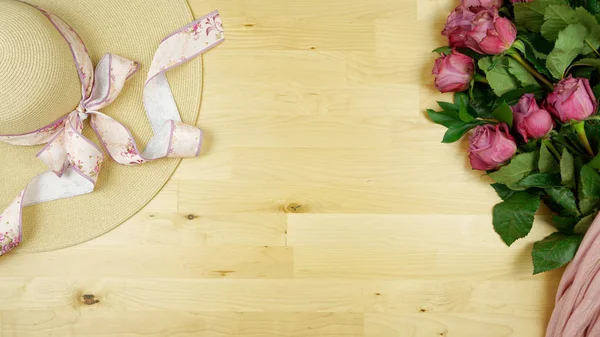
[577,310]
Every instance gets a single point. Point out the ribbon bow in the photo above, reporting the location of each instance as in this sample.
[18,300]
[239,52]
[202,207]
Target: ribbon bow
[75,161]
[67,147]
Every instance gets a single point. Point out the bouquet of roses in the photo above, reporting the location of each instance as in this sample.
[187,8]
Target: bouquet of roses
[525,78]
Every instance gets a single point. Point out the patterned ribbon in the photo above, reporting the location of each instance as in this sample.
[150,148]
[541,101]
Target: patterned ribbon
[74,161]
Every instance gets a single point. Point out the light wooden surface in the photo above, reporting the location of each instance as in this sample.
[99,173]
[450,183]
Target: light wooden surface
[324,204]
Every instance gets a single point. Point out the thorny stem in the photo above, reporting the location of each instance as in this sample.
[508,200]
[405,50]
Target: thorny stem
[480,78]
[517,57]
[552,149]
[580,129]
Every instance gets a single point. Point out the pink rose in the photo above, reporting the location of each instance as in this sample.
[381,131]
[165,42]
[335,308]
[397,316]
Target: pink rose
[478,5]
[453,72]
[458,24]
[572,99]
[531,121]
[491,146]
[490,33]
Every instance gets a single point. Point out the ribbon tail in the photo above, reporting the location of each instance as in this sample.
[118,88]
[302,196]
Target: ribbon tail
[185,44]
[174,139]
[54,154]
[45,187]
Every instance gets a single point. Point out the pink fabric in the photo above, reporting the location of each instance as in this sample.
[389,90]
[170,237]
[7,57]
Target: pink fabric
[577,310]
[75,162]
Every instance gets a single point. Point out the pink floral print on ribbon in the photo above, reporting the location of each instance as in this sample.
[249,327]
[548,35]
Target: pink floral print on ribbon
[74,161]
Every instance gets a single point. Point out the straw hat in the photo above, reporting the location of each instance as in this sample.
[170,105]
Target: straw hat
[39,84]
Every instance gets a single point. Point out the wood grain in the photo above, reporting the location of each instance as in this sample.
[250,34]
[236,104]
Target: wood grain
[323,204]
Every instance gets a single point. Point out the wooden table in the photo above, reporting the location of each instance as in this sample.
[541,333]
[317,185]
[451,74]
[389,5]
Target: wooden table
[325,204]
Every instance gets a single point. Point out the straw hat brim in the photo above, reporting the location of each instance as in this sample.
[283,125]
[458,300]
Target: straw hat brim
[132,29]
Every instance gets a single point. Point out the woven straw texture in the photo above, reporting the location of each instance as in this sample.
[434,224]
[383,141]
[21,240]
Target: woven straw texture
[39,79]
[132,29]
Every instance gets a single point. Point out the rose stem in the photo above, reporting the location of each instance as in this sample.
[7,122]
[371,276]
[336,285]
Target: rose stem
[580,129]
[515,55]
[480,78]
[589,44]
[552,149]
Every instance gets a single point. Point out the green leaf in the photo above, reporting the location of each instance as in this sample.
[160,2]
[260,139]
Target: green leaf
[459,97]
[470,53]
[462,100]
[521,74]
[518,168]
[554,251]
[503,191]
[536,58]
[464,114]
[513,218]
[531,49]
[448,106]
[499,78]
[589,190]
[530,15]
[455,133]
[567,169]
[540,180]
[557,18]
[587,62]
[538,43]
[483,100]
[513,96]
[584,224]
[547,163]
[504,114]
[531,146]
[593,6]
[567,47]
[539,64]
[592,130]
[564,198]
[595,162]
[565,224]
[447,119]
[445,50]
[593,30]
[581,72]
[568,138]
[596,90]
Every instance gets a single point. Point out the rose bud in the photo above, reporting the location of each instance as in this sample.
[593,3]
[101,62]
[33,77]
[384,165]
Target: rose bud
[477,5]
[572,99]
[491,146]
[531,121]
[490,33]
[453,72]
[458,24]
